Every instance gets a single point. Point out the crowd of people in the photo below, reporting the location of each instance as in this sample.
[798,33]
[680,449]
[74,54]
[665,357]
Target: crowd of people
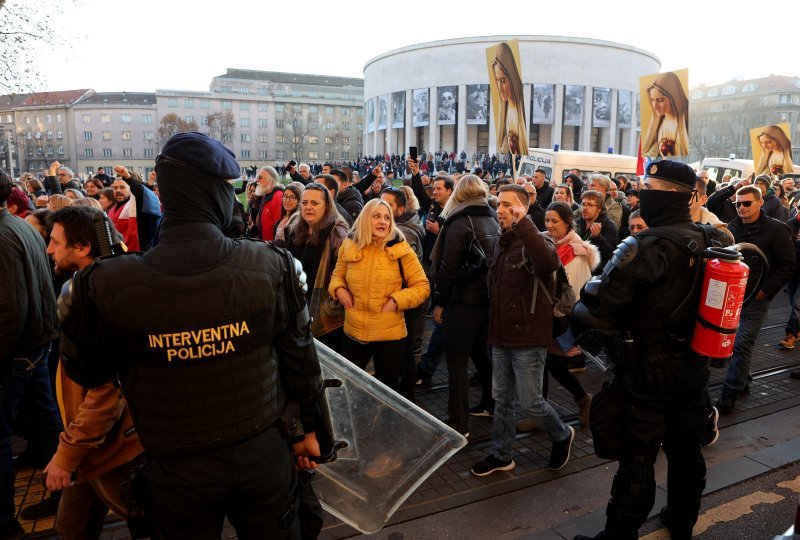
[384,243]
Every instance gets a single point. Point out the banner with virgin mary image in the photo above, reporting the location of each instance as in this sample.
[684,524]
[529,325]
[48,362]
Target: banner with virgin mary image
[508,103]
[772,150]
[665,114]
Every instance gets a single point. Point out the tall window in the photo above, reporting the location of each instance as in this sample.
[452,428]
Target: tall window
[148,135]
[147,119]
[87,135]
[125,118]
[127,152]
[107,152]
[205,104]
[126,135]
[245,154]
[172,102]
[244,105]
[87,119]
[88,152]
[226,104]
[106,135]
[244,122]
[261,107]
[148,152]
[245,137]
[188,103]
[105,118]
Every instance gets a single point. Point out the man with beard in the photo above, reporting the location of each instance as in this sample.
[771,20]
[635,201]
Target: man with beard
[271,193]
[99,440]
[646,302]
[123,214]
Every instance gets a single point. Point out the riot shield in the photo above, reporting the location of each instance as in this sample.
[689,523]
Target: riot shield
[392,446]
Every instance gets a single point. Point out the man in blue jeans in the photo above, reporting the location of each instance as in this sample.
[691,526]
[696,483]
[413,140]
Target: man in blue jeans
[519,333]
[27,328]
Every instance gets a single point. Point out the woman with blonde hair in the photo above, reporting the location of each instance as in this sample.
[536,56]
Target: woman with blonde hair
[668,133]
[377,277]
[412,203]
[314,239]
[776,152]
[512,133]
[460,265]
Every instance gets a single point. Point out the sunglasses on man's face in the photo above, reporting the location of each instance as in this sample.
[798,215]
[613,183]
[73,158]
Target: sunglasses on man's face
[746,204]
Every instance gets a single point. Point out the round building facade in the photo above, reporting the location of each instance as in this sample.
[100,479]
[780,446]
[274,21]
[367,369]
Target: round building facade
[579,94]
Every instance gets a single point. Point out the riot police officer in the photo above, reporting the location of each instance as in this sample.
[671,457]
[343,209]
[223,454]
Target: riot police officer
[647,298]
[209,338]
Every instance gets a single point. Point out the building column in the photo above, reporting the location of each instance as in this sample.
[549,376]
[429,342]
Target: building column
[389,129]
[461,129]
[410,133]
[586,129]
[558,115]
[612,129]
[634,134]
[492,129]
[433,124]
[375,114]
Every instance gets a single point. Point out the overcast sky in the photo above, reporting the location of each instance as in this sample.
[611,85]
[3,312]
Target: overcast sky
[146,45]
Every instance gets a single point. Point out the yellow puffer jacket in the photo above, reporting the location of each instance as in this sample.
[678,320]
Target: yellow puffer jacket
[372,275]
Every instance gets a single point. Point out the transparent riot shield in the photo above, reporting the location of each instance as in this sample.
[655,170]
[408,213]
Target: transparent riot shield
[392,446]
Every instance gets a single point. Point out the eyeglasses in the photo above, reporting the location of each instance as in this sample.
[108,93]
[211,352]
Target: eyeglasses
[587,205]
[289,198]
[746,204]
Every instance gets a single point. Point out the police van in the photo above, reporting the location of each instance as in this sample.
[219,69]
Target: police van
[719,167]
[558,163]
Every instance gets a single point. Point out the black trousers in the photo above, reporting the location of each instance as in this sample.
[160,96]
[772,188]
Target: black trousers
[252,482]
[674,414]
[387,357]
[408,365]
[466,336]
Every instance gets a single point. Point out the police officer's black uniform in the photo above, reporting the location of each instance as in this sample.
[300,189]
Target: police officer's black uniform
[208,346]
[646,293]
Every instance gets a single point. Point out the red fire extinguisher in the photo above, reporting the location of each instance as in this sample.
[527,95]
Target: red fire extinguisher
[723,295]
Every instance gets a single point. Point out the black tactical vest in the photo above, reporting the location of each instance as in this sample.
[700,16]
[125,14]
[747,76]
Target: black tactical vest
[200,370]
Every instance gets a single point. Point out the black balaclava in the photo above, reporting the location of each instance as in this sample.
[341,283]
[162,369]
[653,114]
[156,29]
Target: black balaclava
[191,196]
[659,208]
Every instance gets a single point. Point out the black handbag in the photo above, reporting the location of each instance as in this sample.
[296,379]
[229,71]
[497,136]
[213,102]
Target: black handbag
[475,261]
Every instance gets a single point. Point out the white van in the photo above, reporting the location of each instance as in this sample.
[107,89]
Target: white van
[558,163]
[719,167]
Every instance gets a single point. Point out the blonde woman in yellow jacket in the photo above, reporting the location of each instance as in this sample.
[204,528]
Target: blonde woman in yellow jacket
[369,284]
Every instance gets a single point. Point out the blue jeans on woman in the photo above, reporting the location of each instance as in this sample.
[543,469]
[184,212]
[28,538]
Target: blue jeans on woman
[519,373]
[28,379]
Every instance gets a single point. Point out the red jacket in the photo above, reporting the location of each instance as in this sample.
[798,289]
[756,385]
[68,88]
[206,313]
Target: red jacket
[270,213]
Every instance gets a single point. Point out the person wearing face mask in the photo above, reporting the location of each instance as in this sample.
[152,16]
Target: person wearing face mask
[208,338]
[646,303]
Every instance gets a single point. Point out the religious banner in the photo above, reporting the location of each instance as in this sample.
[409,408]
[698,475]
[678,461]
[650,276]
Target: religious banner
[772,150]
[508,103]
[665,118]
